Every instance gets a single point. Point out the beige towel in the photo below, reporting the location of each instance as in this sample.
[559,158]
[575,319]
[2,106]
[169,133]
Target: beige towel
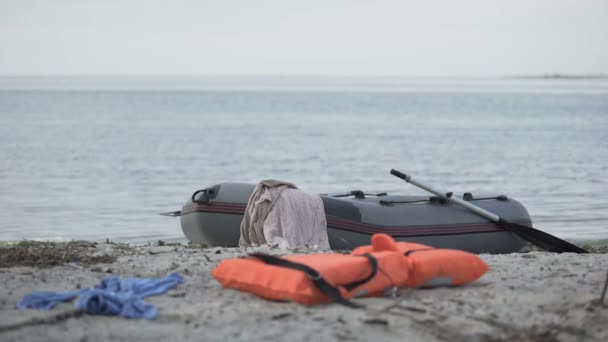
[280,214]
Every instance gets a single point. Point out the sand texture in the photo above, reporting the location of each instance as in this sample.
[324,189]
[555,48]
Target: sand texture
[534,296]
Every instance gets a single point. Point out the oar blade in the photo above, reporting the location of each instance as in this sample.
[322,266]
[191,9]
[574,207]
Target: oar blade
[542,239]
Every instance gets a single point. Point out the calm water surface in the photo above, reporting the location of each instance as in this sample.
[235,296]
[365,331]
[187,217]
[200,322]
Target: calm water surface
[90,158]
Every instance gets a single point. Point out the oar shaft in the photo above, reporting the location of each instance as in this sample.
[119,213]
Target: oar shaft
[471,207]
[535,236]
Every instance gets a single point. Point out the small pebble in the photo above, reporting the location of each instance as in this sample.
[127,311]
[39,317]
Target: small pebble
[280,316]
[376,321]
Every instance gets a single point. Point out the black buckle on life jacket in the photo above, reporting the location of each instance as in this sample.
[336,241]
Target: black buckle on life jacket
[314,276]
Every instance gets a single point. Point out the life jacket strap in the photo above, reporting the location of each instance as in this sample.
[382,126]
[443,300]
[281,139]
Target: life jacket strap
[325,287]
[374,263]
[407,253]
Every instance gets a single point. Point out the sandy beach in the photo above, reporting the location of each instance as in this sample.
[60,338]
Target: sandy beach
[528,296]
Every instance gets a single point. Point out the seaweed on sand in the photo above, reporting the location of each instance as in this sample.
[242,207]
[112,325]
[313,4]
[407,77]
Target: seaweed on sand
[47,254]
[591,248]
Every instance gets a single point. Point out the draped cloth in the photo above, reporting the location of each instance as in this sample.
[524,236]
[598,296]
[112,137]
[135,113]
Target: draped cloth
[279,214]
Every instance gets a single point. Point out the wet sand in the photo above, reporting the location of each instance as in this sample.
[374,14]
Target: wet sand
[524,297]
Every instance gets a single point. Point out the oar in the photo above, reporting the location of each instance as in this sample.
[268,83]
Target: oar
[535,236]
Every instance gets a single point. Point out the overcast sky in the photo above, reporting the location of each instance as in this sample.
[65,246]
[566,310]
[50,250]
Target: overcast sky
[308,37]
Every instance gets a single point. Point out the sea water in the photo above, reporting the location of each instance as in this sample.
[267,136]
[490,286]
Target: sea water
[100,157]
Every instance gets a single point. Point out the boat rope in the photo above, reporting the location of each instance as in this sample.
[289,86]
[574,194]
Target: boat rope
[53,319]
[435,199]
[358,194]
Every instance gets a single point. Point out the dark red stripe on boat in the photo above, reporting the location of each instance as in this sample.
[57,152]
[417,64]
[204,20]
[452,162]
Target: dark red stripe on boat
[215,207]
[365,228]
[420,230]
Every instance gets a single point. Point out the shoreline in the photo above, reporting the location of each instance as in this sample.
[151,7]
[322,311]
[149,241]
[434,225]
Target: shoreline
[525,296]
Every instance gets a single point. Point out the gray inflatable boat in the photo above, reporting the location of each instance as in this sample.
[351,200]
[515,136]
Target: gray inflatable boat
[213,216]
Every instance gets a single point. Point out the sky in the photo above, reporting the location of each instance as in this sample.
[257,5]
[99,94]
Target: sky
[308,37]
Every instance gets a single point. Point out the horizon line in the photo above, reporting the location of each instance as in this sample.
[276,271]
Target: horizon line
[549,75]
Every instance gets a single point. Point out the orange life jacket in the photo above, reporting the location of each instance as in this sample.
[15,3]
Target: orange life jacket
[368,270]
[430,266]
[314,278]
